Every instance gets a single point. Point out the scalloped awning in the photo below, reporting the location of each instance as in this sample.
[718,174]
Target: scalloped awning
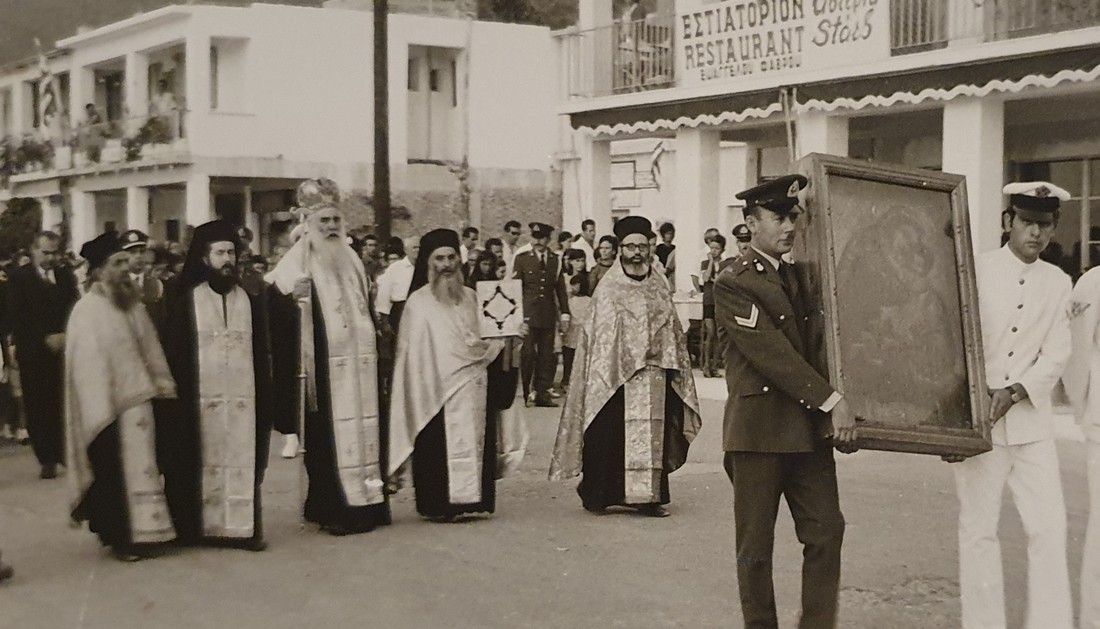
[1004,74]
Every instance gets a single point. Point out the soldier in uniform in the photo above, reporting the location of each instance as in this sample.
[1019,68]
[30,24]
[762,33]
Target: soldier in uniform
[136,243]
[780,414]
[544,296]
[742,239]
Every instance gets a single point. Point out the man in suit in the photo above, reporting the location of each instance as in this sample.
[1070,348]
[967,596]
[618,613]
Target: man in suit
[40,296]
[780,413]
[544,297]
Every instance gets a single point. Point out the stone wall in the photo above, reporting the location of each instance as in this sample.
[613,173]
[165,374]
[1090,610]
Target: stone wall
[429,196]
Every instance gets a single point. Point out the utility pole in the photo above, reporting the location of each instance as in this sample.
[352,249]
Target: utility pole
[381,196]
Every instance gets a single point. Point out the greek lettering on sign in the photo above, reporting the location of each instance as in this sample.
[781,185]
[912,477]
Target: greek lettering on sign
[736,38]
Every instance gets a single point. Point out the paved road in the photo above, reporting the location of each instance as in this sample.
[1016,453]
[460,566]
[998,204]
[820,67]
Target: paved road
[541,561]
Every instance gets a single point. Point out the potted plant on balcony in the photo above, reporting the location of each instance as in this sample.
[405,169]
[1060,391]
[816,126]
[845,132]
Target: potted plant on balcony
[34,154]
[63,157]
[7,159]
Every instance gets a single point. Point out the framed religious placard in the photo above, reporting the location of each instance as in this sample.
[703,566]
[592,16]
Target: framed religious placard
[500,308]
[887,255]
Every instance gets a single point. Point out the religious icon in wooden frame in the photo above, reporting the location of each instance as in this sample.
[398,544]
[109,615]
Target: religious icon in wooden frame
[500,308]
[886,252]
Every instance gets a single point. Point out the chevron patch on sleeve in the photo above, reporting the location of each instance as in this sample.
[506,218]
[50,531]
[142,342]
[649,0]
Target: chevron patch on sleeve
[750,321]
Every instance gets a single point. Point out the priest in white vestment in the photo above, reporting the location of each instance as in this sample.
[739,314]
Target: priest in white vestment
[217,433]
[631,411]
[324,292]
[114,368]
[451,392]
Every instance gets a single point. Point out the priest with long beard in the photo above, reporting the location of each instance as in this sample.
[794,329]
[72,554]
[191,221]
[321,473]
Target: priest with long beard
[631,411]
[114,368]
[451,392]
[329,337]
[215,436]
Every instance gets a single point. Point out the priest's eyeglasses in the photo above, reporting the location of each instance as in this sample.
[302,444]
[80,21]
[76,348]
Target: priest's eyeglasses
[640,248]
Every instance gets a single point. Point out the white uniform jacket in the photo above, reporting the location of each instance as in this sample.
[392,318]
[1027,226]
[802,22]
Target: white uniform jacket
[1082,376]
[1024,311]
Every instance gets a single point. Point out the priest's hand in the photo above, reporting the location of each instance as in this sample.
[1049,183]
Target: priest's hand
[565,321]
[302,288]
[56,342]
[843,423]
[523,331]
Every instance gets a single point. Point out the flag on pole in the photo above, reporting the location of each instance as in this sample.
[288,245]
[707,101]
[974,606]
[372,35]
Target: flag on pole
[49,102]
[655,162]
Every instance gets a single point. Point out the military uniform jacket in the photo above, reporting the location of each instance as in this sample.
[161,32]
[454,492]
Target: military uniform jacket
[544,294]
[774,360]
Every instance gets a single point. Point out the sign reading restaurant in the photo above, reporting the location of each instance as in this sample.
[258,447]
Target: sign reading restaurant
[729,39]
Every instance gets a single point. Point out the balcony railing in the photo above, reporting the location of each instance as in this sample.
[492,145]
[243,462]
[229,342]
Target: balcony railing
[919,25]
[640,55]
[117,141]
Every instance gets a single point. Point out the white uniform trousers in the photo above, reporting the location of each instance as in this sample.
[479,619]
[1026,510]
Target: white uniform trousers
[1032,474]
[1090,568]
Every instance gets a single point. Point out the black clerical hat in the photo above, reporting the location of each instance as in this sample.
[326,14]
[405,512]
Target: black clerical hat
[633,225]
[99,249]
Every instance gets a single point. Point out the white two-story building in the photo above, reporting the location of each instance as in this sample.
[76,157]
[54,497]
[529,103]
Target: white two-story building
[186,113]
[722,94]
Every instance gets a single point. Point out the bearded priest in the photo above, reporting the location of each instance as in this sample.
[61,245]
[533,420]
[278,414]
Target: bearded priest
[326,332]
[631,411]
[114,368]
[450,392]
[216,434]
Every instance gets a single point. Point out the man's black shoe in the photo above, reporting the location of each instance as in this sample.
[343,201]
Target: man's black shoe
[545,402]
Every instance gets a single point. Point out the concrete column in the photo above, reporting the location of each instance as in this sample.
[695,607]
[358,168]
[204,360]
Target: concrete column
[137,208]
[199,208]
[197,77]
[83,227]
[22,113]
[51,213]
[136,91]
[973,146]
[820,132]
[594,46]
[594,13]
[593,172]
[251,220]
[81,92]
[696,194]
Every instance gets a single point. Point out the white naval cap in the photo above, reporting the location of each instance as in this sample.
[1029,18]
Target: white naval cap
[1038,197]
[1038,189]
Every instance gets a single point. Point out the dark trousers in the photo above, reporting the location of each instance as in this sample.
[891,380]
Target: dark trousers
[567,355]
[808,482]
[537,361]
[42,403]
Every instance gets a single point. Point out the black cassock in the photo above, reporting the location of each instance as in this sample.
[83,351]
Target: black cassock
[179,442]
[326,505]
[429,458]
[603,481]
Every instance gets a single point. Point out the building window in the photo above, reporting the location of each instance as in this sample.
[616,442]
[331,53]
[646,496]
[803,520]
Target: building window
[454,83]
[213,77]
[172,230]
[433,80]
[414,74]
